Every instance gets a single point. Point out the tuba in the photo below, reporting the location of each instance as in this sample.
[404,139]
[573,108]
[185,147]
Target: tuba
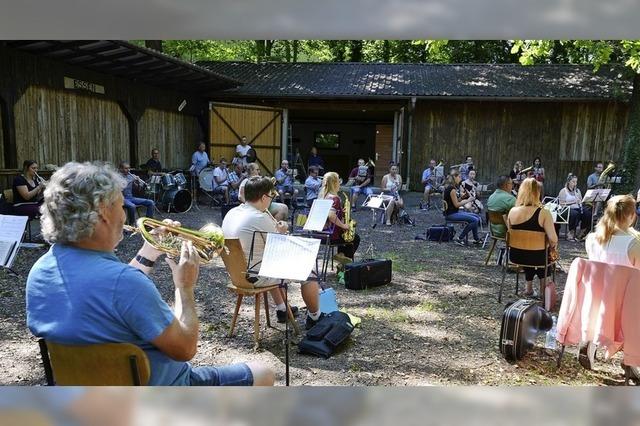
[604,176]
[349,234]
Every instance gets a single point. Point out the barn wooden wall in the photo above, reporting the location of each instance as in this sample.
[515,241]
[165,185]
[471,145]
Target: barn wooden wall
[568,136]
[2,165]
[175,135]
[54,127]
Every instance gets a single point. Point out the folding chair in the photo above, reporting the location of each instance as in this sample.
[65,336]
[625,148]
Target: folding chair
[453,222]
[236,265]
[526,240]
[106,364]
[494,218]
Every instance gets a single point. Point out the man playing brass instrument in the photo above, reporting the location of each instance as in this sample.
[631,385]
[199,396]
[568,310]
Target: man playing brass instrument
[79,292]
[594,178]
[252,216]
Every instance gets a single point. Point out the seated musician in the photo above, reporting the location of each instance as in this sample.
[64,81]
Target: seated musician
[470,185]
[502,201]
[578,212]
[153,165]
[359,179]
[517,176]
[466,167]
[28,191]
[199,159]
[594,178]
[391,184]
[454,203]
[538,171]
[79,292]
[284,182]
[429,183]
[329,191]
[312,185]
[131,202]
[241,222]
[236,177]
[221,180]
[529,214]
[279,210]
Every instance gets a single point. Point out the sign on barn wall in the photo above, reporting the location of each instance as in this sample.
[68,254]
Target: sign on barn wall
[72,83]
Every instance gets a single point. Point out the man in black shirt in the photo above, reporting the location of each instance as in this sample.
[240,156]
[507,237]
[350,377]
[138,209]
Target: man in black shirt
[154,167]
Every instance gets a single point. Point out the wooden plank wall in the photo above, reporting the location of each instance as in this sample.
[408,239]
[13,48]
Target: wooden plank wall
[247,121]
[384,148]
[175,135]
[2,164]
[54,127]
[568,136]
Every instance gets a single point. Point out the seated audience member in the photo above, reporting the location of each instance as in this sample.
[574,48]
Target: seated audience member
[454,202]
[316,160]
[279,211]
[466,167]
[312,185]
[571,197]
[131,202]
[470,185]
[329,191]
[153,165]
[241,222]
[236,177]
[391,184]
[529,214]
[221,180]
[284,182]
[502,200]
[241,152]
[429,183]
[360,178]
[80,293]
[27,191]
[538,170]
[615,241]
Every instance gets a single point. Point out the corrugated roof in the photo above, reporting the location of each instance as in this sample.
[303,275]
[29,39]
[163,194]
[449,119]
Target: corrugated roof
[423,80]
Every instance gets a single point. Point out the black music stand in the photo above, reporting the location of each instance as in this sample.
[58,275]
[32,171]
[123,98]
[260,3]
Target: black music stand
[595,196]
[12,232]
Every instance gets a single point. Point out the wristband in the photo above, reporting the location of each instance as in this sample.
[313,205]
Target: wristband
[144,261]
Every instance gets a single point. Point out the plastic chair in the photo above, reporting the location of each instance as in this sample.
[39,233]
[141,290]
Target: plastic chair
[494,218]
[526,240]
[106,364]
[236,265]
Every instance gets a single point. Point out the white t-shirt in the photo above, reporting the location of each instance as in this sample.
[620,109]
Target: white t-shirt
[242,151]
[241,222]
[614,253]
[220,173]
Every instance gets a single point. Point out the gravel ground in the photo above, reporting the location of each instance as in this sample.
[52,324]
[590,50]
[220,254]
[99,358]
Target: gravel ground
[437,323]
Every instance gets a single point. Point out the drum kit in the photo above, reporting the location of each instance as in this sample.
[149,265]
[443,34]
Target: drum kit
[171,191]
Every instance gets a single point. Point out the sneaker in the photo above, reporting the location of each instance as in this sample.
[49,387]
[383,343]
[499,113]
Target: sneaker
[282,315]
[587,355]
[342,259]
[459,242]
[309,323]
[477,242]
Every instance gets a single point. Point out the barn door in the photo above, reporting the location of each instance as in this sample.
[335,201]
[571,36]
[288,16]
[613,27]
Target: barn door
[261,125]
[384,151]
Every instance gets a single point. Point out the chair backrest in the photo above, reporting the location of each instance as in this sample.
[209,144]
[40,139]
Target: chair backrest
[526,240]
[8,195]
[106,364]
[496,218]
[445,206]
[236,263]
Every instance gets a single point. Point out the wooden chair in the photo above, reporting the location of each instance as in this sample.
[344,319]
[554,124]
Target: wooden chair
[525,240]
[453,222]
[106,364]
[236,265]
[494,218]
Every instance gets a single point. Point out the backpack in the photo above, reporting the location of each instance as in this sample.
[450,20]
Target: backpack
[324,338]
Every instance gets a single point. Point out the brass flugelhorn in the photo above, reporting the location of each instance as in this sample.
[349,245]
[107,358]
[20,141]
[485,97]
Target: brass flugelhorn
[349,234]
[604,176]
[208,240]
[527,170]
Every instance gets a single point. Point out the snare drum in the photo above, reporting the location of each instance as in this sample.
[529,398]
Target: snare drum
[168,182]
[205,178]
[181,180]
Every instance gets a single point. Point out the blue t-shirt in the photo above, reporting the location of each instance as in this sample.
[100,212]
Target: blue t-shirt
[199,160]
[283,178]
[78,296]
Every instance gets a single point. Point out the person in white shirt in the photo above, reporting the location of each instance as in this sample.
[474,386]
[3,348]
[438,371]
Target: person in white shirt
[221,180]
[578,213]
[279,210]
[243,221]
[241,152]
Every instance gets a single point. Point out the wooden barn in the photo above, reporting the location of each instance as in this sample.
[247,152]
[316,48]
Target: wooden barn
[102,100]
[410,113]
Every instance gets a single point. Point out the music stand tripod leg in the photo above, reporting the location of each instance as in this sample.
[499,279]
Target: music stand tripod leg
[283,284]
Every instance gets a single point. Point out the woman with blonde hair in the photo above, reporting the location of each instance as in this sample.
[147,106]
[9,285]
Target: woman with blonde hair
[615,241]
[529,215]
[329,191]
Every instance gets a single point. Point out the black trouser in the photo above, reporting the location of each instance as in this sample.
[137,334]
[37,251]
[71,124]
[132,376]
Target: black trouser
[348,249]
[582,215]
[530,273]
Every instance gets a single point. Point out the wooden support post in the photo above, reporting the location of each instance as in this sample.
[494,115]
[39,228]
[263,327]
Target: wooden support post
[8,99]
[133,113]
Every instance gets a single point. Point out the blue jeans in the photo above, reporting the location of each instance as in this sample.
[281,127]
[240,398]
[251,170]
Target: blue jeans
[131,203]
[227,375]
[472,223]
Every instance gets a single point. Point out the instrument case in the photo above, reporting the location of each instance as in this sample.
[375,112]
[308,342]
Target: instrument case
[441,233]
[367,273]
[521,322]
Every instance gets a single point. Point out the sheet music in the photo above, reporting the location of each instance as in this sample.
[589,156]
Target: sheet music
[289,258]
[7,252]
[374,202]
[318,215]
[12,227]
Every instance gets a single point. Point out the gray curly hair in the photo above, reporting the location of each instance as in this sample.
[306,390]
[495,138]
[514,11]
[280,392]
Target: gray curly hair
[72,200]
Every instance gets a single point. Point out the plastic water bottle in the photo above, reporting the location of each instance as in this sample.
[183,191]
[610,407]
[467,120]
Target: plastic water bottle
[550,342]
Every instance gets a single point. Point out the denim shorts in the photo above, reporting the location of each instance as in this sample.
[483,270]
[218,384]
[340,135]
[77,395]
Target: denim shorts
[226,375]
[357,190]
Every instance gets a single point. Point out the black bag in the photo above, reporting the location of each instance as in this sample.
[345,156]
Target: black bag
[441,233]
[521,322]
[324,338]
[367,273]
[224,209]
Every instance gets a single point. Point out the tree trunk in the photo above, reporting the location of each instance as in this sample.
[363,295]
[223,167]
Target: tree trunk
[356,50]
[632,143]
[259,50]
[296,46]
[287,50]
[153,44]
[268,45]
[386,51]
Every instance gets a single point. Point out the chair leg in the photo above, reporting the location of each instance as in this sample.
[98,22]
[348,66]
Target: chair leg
[517,280]
[266,308]
[560,356]
[235,315]
[256,322]
[293,321]
[504,275]
[493,245]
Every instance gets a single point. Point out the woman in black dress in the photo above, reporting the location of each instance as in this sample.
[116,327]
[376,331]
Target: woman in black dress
[28,191]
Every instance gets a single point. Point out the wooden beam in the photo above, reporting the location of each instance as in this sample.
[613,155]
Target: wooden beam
[133,112]
[8,99]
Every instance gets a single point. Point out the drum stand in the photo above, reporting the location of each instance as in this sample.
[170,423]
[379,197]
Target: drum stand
[194,194]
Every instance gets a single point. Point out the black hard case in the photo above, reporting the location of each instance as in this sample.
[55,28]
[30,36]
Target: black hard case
[367,273]
[520,326]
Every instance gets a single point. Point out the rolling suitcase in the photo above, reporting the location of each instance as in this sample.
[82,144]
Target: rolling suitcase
[367,273]
[521,322]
